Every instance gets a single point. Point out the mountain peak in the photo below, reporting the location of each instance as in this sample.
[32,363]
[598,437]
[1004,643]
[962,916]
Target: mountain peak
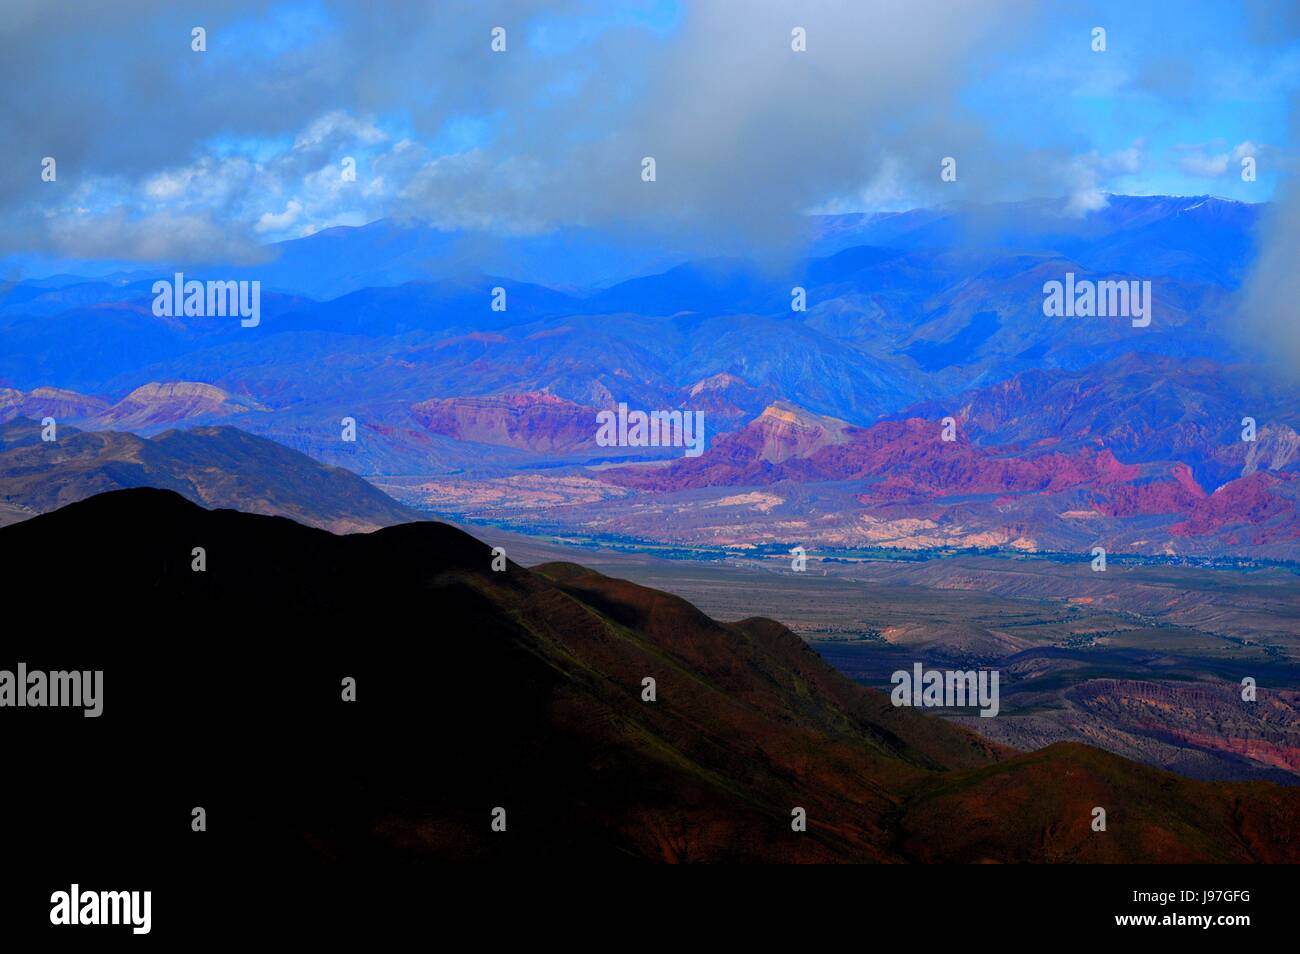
[59,403]
[786,431]
[156,390]
[789,413]
[158,403]
[717,382]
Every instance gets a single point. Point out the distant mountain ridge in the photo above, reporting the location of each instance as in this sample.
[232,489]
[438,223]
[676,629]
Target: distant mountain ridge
[926,314]
[148,408]
[906,470]
[1189,236]
[1201,237]
[212,466]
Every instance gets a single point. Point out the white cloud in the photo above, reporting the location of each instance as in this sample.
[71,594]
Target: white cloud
[337,126]
[1210,160]
[278,222]
[1084,176]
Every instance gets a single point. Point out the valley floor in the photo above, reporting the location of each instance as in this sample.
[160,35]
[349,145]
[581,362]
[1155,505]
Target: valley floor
[1145,661]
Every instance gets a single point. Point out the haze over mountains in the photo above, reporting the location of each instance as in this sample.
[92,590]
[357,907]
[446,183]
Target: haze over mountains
[1070,432]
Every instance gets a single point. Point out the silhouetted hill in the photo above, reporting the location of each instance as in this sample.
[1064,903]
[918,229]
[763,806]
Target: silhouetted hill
[519,689]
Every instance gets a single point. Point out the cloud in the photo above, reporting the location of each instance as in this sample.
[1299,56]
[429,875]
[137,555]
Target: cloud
[116,95]
[1084,175]
[163,236]
[1267,314]
[1204,162]
[273,222]
[747,133]
[336,127]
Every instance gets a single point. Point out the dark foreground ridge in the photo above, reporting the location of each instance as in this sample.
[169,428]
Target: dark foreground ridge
[520,690]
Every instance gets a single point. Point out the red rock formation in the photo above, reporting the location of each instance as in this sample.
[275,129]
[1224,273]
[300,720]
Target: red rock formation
[1247,500]
[532,420]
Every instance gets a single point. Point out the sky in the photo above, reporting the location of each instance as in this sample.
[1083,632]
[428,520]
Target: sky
[165,153]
